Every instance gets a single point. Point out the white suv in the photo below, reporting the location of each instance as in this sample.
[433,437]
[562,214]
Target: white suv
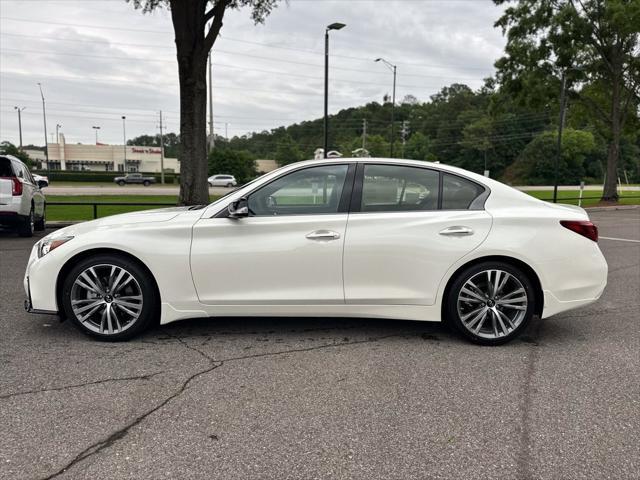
[22,203]
[222,181]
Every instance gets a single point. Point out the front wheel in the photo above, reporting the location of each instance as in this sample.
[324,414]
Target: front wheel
[121,183]
[491,303]
[110,297]
[27,225]
[146,183]
[40,224]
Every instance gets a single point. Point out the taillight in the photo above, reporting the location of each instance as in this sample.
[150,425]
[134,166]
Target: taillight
[582,227]
[16,191]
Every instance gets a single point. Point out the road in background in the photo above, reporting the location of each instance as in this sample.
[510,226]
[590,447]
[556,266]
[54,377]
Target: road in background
[326,398]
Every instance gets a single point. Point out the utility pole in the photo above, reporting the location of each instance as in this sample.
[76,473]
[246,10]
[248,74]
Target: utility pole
[394,69]
[58,126]
[161,151]
[226,131]
[404,133]
[364,133]
[560,127]
[124,143]
[44,117]
[211,143]
[19,109]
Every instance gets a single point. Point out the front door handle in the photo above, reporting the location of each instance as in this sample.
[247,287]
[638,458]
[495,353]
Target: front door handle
[323,235]
[457,230]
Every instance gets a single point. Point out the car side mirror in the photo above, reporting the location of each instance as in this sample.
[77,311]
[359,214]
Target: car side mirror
[239,208]
[42,184]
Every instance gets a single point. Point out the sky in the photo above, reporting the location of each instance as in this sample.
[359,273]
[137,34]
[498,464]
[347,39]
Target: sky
[98,60]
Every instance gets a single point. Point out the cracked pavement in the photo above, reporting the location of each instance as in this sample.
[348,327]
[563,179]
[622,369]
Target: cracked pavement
[325,398]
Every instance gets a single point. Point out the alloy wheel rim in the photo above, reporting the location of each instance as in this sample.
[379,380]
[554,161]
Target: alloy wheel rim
[492,304]
[106,299]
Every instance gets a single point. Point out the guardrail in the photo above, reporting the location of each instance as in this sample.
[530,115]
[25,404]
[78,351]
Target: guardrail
[95,205]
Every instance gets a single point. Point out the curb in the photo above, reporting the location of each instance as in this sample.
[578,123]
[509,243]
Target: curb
[613,207]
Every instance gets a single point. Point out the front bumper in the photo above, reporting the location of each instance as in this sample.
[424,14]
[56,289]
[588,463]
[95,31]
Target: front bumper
[28,304]
[40,285]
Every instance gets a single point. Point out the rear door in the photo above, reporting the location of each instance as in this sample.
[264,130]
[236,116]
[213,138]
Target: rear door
[408,225]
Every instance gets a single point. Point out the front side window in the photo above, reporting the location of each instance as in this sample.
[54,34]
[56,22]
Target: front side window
[398,188]
[315,190]
[458,193]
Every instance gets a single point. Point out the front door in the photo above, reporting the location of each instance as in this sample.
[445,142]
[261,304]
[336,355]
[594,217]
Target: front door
[410,228]
[287,251]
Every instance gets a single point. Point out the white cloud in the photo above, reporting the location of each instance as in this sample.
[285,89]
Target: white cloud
[264,76]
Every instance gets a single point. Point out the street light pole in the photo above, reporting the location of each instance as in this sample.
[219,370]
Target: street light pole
[560,128]
[19,109]
[44,117]
[394,69]
[96,129]
[58,126]
[333,26]
[211,143]
[124,143]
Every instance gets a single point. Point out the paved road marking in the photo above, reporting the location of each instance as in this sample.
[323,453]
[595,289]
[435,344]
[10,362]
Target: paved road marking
[620,239]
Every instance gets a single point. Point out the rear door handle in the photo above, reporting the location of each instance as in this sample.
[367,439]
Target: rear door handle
[323,235]
[457,230]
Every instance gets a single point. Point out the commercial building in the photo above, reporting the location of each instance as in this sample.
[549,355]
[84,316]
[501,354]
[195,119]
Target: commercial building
[103,158]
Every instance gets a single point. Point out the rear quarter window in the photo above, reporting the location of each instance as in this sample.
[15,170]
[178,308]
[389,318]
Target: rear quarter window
[459,193]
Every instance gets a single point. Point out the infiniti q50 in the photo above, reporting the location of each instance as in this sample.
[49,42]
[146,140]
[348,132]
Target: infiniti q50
[375,238]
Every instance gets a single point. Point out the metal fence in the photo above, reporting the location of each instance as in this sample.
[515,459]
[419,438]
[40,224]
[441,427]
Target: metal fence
[95,205]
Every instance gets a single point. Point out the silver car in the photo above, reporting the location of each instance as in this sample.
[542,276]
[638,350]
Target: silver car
[222,181]
[22,203]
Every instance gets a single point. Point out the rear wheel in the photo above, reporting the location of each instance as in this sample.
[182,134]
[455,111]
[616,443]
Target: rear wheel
[27,225]
[146,183]
[229,185]
[110,298]
[40,224]
[491,303]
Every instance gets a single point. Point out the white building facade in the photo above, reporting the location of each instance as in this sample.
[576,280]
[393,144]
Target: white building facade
[104,158]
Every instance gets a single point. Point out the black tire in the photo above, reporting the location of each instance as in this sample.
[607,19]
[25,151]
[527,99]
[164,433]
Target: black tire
[121,183]
[26,226]
[146,183]
[229,185]
[40,224]
[149,312]
[494,333]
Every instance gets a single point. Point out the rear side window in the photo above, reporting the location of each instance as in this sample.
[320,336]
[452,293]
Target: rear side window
[398,188]
[19,169]
[458,193]
[5,167]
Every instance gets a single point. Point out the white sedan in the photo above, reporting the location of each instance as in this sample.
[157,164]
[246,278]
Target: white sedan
[377,238]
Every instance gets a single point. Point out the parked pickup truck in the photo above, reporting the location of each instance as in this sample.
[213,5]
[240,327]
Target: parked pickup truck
[134,178]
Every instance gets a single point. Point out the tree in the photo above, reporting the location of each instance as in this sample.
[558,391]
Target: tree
[535,165]
[418,148]
[194,39]
[592,41]
[240,164]
[287,151]
[8,148]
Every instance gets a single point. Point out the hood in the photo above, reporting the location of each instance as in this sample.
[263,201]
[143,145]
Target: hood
[122,220]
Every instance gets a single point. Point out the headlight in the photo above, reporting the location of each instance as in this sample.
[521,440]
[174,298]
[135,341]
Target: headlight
[49,244]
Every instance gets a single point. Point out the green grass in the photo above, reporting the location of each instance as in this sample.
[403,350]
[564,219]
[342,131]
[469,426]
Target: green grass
[85,212]
[590,197]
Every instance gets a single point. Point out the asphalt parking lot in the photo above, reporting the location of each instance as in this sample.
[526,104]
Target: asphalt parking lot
[326,398]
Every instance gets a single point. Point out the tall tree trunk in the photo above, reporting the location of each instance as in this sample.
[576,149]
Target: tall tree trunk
[610,191]
[188,21]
